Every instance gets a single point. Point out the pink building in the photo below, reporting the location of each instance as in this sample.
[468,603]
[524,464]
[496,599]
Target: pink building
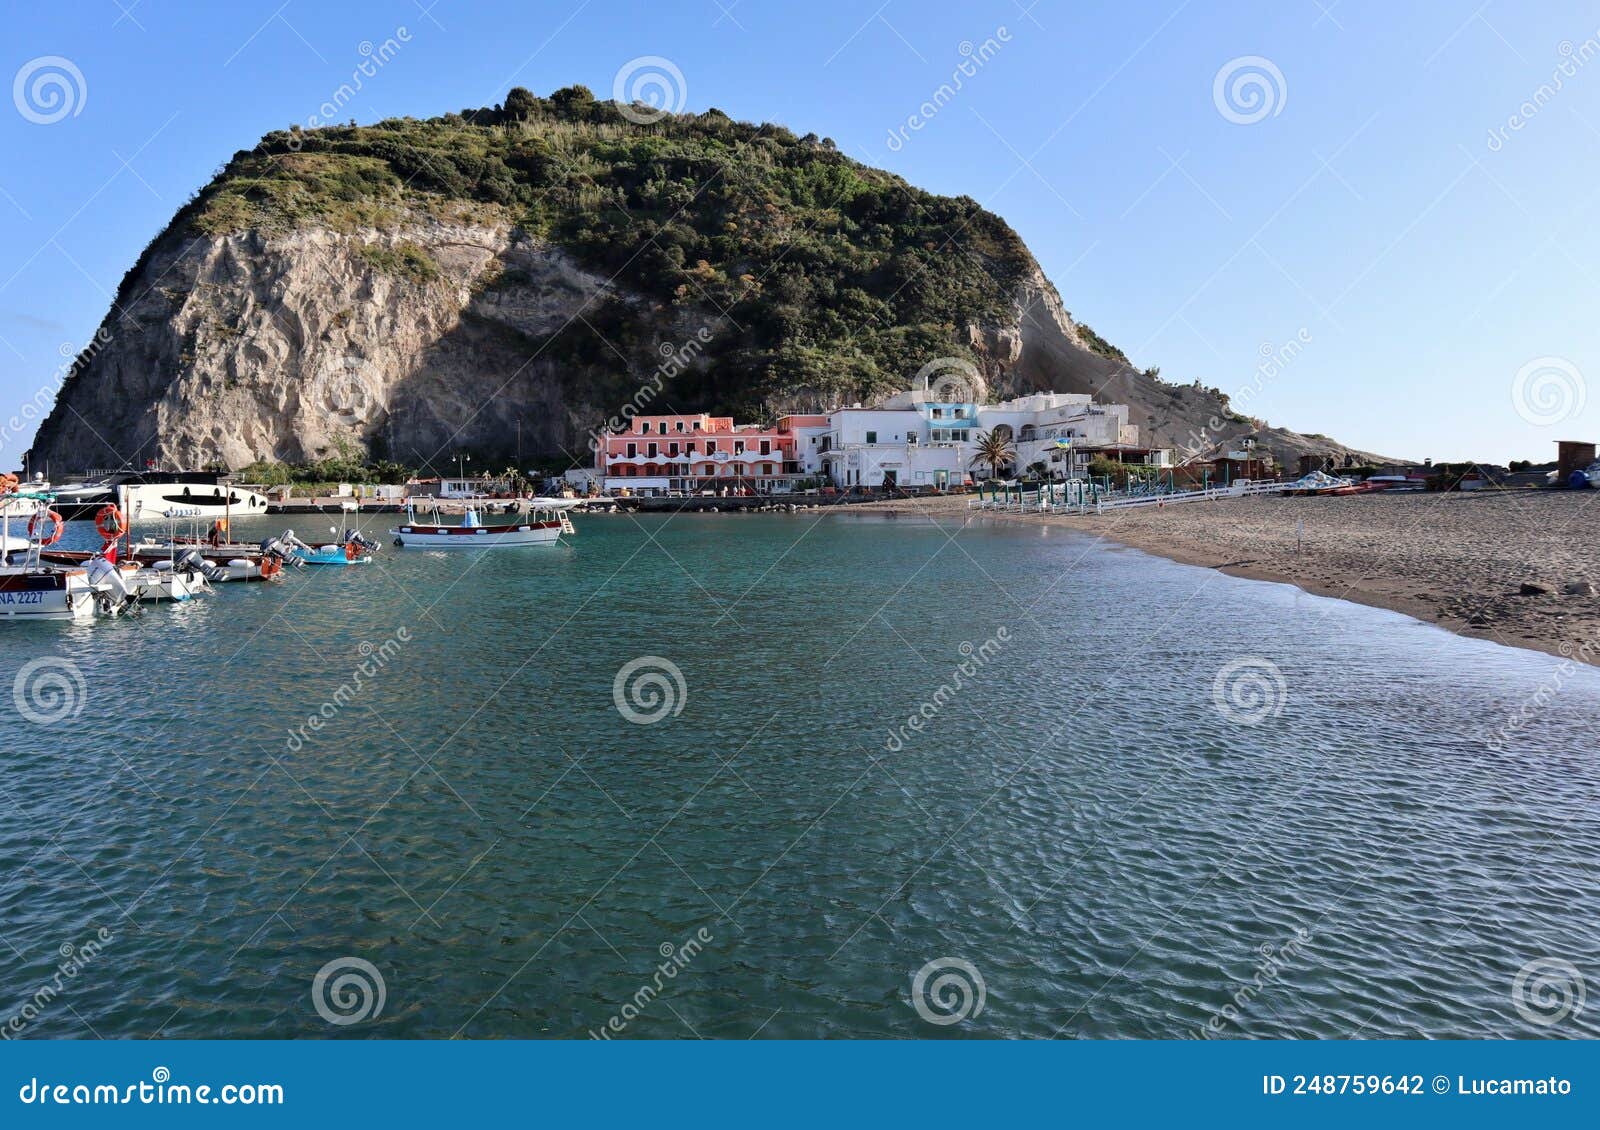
[693,453]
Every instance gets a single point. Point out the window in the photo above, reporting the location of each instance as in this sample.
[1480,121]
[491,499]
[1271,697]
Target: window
[633,449]
[711,447]
[766,468]
[688,448]
[766,447]
[661,428]
[872,437]
[672,449]
[650,450]
[644,426]
[738,447]
[938,413]
[680,425]
[697,425]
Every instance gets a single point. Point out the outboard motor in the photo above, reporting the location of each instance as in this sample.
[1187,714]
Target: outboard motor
[112,594]
[191,560]
[274,548]
[353,536]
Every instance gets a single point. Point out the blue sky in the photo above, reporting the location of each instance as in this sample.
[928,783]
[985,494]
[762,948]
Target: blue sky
[1439,275]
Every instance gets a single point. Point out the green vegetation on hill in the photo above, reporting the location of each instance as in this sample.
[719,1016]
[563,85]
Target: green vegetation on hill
[831,275]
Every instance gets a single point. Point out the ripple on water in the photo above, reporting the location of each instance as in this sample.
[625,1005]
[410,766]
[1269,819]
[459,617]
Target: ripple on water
[1079,822]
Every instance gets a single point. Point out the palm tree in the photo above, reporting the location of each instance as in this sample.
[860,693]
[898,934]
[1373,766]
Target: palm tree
[994,450]
[513,479]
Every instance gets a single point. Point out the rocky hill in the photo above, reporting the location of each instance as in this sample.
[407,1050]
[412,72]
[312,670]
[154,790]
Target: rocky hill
[505,280]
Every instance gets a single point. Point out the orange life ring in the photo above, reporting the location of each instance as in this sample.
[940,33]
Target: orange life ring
[59,527]
[109,522]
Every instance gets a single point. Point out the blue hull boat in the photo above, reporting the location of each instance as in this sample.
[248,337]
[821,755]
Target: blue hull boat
[334,555]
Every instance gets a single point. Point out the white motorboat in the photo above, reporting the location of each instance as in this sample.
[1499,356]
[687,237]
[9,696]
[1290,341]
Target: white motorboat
[31,589]
[543,524]
[213,555]
[147,496]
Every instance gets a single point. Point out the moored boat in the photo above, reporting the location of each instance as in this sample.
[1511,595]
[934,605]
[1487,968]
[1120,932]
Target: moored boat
[146,496]
[543,524]
[32,589]
[350,549]
[45,592]
[222,560]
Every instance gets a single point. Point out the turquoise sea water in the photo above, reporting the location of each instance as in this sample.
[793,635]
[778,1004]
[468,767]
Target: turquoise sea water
[1367,827]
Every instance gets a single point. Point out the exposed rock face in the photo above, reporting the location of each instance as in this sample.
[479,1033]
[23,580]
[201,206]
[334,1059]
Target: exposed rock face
[434,336]
[292,346]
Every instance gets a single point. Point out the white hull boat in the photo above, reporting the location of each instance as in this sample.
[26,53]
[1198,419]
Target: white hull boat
[542,525]
[31,589]
[147,496]
[45,593]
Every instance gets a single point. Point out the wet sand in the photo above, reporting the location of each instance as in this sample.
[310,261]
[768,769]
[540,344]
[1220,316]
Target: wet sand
[1456,560]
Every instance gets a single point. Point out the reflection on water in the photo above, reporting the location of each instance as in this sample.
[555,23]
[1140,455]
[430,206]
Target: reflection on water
[1056,788]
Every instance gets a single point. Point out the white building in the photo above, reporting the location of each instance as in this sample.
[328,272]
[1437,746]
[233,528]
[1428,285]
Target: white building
[1066,430]
[810,435]
[894,446]
[912,439]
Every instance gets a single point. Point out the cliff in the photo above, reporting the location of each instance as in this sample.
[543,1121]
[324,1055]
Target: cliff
[504,280]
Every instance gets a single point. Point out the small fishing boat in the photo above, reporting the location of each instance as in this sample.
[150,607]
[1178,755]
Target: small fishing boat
[169,580]
[543,524]
[351,549]
[231,561]
[167,555]
[30,588]
[45,592]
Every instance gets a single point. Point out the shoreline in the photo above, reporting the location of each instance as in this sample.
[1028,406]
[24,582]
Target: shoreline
[1456,561]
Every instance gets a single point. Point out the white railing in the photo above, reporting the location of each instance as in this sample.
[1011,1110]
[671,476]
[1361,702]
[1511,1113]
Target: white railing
[1083,502]
[1237,490]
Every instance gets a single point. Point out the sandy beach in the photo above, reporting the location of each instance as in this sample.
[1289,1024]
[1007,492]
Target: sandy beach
[1456,560]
